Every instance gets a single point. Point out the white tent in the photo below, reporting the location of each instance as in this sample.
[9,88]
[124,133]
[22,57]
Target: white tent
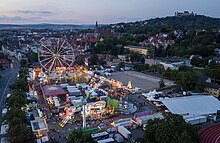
[192,105]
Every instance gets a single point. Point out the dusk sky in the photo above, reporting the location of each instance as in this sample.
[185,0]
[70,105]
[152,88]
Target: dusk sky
[104,11]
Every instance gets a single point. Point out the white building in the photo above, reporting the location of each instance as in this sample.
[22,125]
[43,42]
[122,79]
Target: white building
[192,105]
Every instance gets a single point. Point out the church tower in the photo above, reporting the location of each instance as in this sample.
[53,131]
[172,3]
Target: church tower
[96,27]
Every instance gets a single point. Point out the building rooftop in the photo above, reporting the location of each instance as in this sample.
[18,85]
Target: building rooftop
[192,105]
[131,46]
[38,124]
[49,90]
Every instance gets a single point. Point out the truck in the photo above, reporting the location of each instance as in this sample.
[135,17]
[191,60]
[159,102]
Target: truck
[144,119]
[193,120]
[4,111]
[118,138]
[124,132]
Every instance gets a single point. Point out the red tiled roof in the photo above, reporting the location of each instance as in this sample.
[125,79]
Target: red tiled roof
[105,33]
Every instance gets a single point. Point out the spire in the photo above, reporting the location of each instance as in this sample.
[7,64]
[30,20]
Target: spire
[96,24]
[96,27]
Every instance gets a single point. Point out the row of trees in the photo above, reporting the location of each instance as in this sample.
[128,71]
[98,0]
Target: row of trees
[186,77]
[213,71]
[110,46]
[18,132]
[19,129]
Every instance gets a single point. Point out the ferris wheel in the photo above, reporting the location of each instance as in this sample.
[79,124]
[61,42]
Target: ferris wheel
[55,53]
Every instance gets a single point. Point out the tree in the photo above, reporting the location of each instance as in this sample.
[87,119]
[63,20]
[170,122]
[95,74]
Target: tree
[18,99]
[198,62]
[23,63]
[157,68]
[187,80]
[15,116]
[170,74]
[79,137]
[171,129]
[79,61]
[141,67]
[32,57]
[134,57]
[161,83]
[213,71]
[93,59]
[20,133]
[109,46]
[184,68]
[20,84]
[101,62]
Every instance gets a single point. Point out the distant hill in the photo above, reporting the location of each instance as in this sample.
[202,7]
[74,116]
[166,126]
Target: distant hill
[44,26]
[167,24]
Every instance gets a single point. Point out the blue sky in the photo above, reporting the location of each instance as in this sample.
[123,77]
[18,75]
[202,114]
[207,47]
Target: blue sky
[104,11]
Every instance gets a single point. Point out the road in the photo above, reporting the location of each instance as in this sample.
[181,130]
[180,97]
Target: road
[8,76]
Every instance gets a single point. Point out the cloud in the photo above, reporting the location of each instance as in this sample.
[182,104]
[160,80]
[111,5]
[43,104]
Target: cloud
[43,12]
[4,18]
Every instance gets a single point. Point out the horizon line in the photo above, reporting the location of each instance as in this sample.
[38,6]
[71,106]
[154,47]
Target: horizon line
[129,21]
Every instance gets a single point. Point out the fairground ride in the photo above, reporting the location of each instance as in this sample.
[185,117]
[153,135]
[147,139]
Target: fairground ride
[56,56]
[68,117]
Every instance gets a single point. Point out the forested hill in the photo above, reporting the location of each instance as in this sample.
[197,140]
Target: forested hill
[167,24]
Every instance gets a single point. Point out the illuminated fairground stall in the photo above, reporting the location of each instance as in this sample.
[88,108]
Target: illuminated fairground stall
[96,109]
[56,97]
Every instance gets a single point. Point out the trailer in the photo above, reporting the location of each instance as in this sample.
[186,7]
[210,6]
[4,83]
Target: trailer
[144,119]
[108,140]
[4,111]
[193,120]
[118,138]
[124,132]
[123,122]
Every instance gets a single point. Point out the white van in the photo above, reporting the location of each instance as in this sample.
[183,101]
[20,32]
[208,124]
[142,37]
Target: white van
[8,95]
[144,126]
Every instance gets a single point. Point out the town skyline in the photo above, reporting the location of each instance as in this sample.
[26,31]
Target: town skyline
[106,12]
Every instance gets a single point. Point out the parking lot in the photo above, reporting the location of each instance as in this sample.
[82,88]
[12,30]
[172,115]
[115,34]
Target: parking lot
[138,79]
[143,81]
